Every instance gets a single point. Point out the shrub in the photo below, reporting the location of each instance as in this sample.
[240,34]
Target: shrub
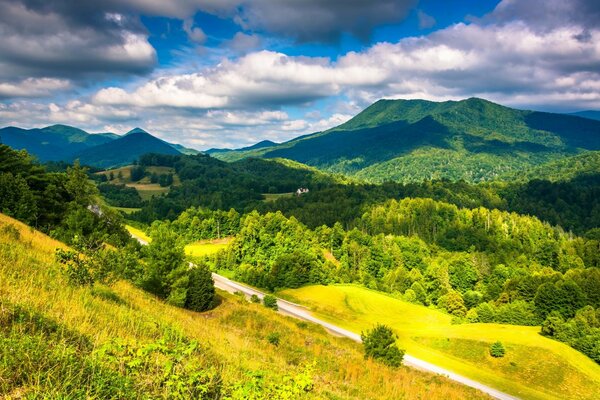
[380,344]
[274,338]
[497,350]
[254,299]
[270,301]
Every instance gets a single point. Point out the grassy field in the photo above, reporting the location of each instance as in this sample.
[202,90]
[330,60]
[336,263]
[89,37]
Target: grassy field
[534,367]
[145,188]
[61,341]
[275,196]
[138,233]
[148,190]
[206,247]
[126,210]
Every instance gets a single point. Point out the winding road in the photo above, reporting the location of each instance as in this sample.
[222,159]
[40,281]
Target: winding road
[301,312]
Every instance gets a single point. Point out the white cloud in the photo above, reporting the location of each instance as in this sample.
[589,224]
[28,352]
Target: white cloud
[33,87]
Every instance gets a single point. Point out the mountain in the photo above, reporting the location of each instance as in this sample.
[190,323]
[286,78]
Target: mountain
[412,140]
[53,143]
[590,114]
[66,143]
[260,145]
[125,149]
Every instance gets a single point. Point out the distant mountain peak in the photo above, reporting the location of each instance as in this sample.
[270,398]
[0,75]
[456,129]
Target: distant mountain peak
[136,130]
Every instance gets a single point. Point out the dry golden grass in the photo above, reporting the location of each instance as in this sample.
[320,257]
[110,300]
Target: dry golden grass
[234,333]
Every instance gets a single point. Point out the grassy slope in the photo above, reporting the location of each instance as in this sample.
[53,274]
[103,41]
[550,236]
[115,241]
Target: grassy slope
[232,337]
[535,367]
[145,189]
[206,247]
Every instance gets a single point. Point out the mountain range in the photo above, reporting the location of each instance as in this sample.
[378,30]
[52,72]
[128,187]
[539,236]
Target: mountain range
[66,143]
[412,140]
[401,140]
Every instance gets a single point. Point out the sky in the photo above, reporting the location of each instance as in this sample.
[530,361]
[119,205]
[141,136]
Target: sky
[229,73]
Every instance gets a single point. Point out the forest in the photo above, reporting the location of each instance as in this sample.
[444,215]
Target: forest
[524,253]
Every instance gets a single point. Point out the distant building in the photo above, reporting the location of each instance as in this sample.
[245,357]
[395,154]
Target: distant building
[301,191]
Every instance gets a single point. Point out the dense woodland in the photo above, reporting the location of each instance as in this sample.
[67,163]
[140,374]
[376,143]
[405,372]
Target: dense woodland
[470,250]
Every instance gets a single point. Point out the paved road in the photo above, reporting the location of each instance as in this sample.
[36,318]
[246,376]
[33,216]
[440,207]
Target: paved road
[301,312]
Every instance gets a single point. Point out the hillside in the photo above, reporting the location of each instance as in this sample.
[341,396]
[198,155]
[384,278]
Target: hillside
[60,341]
[591,114]
[53,143]
[260,145]
[125,150]
[412,140]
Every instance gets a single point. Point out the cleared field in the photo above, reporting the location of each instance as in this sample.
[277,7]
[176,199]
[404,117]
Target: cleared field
[275,196]
[138,233]
[148,190]
[126,210]
[206,247]
[534,367]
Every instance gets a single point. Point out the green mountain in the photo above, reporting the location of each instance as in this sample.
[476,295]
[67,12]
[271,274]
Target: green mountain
[590,114]
[260,145]
[124,150]
[53,143]
[412,140]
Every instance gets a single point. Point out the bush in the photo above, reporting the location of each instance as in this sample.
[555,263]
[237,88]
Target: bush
[273,338]
[380,344]
[255,299]
[497,350]
[270,301]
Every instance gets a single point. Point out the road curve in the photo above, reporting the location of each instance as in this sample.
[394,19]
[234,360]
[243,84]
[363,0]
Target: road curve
[301,312]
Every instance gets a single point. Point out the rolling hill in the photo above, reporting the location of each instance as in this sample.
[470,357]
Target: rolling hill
[591,114]
[412,140]
[125,149]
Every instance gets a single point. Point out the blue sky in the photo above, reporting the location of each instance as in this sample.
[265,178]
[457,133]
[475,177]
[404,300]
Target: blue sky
[228,73]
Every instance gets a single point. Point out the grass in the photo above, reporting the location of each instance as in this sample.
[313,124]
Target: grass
[145,189]
[60,341]
[534,367]
[206,247]
[148,190]
[126,210]
[138,233]
[275,196]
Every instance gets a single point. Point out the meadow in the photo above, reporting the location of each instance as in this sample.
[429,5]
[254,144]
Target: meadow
[203,248]
[534,367]
[61,341]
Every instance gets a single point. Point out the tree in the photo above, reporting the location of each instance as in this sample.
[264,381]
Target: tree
[81,190]
[380,344]
[497,350]
[201,289]
[164,256]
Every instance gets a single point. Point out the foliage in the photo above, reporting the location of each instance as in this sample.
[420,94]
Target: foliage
[497,350]
[270,301]
[201,289]
[274,338]
[380,344]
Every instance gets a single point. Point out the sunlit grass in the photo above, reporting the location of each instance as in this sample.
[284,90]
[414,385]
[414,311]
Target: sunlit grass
[541,368]
[138,233]
[206,247]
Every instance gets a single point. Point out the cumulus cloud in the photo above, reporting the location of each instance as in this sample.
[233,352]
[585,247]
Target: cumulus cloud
[33,87]
[66,39]
[321,20]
